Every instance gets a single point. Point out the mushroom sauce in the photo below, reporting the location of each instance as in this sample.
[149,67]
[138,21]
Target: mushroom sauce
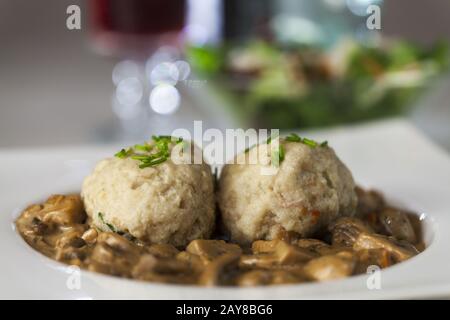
[378,235]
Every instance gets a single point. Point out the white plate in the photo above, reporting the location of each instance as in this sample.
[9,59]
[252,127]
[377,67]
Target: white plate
[390,156]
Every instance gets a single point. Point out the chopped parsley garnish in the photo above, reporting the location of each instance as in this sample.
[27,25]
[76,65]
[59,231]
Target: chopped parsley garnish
[269,140]
[309,142]
[109,225]
[123,153]
[278,155]
[150,154]
[143,147]
[293,137]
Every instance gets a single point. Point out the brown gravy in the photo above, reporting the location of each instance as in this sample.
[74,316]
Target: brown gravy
[380,235]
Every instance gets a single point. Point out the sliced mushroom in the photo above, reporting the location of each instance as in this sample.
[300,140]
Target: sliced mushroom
[63,210]
[369,201]
[330,267]
[118,243]
[209,250]
[262,246]
[381,258]
[221,271]
[313,245]
[270,277]
[400,250]
[39,227]
[114,255]
[163,250]
[345,231]
[90,236]
[60,230]
[194,261]
[255,278]
[286,277]
[70,237]
[289,254]
[275,252]
[151,268]
[397,224]
[262,260]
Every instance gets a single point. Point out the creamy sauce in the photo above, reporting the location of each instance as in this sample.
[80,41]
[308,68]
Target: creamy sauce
[380,235]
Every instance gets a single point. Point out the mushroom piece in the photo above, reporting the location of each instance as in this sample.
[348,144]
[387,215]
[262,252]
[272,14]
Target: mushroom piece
[221,271]
[313,245]
[71,237]
[168,270]
[163,250]
[286,277]
[400,250]
[289,254]
[373,257]
[263,246]
[209,250]
[369,201]
[275,252]
[330,267]
[193,260]
[90,236]
[272,277]
[255,278]
[63,210]
[114,255]
[345,231]
[39,228]
[397,224]
[70,247]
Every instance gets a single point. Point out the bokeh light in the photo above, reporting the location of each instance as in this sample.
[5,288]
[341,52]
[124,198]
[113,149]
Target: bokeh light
[129,91]
[164,99]
[184,69]
[125,69]
[164,73]
[163,54]
[359,7]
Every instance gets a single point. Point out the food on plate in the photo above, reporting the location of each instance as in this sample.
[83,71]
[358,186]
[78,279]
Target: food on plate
[163,202]
[141,215]
[268,85]
[311,189]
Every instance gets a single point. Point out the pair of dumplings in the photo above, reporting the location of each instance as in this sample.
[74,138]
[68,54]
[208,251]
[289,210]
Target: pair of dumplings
[175,203]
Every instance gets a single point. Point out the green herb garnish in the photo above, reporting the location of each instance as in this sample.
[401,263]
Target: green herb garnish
[150,155]
[143,147]
[309,142]
[293,137]
[269,140]
[278,156]
[109,225]
[249,148]
[123,153]
[151,163]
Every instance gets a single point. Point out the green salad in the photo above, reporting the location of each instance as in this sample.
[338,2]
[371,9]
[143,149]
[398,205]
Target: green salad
[267,86]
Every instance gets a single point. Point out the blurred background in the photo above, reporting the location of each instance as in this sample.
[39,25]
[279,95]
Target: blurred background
[138,67]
